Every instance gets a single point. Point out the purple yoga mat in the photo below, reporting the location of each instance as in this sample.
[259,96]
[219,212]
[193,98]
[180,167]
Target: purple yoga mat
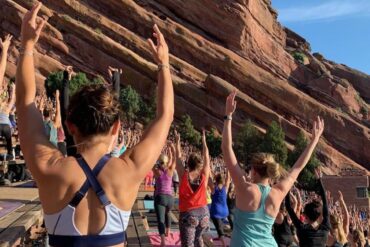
[7,207]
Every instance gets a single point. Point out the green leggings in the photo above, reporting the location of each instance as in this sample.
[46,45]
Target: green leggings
[163,205]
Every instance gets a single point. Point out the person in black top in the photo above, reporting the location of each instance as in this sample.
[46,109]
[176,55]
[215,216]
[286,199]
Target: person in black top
[312,234]
[282,228]
[230,200]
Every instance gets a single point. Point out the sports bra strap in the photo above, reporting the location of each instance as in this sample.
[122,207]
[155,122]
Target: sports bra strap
[91,181]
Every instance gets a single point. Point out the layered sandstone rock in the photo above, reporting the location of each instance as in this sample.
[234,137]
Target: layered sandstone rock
[215,46]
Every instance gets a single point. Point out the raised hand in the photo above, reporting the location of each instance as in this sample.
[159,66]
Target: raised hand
[177,137]
[230,104]
[318,128]
[318,173]
[159,51]
[31,27]
[340,195]
[4,44]
[57,94]
[204,141]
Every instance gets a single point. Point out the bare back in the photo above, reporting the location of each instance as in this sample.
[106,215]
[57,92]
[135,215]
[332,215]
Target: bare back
[66,177]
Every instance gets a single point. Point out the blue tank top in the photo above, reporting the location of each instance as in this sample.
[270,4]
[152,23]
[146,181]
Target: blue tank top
[219,209]
[254,228]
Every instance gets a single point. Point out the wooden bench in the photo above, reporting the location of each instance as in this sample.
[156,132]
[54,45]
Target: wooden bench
[16,224]
[136,233]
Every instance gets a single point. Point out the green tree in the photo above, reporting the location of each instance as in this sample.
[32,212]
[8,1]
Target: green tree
[130,101]
[248,141]
[55,81]
[77,82]
[188,132]
[214,143]
[148,109]
[274,143]
[307,176]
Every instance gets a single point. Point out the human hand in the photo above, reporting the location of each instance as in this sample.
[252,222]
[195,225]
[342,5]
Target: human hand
[31,27]
[340,195]
[4,44]
[160,51]
[177,137]
[230,104]
[318,128]
[204,141]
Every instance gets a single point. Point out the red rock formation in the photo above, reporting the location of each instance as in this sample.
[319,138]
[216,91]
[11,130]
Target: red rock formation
[228,44]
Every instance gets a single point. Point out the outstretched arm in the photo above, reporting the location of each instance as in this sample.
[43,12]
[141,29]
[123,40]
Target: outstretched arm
[148,150]
[344,213]
[179,166]
[37,150]
[286,184]
[4,44]
[228,181]
[58,117]
[322,193]
[206,159]
[115,75]
[171,160]
[227,149]
[297,223]
[11,102]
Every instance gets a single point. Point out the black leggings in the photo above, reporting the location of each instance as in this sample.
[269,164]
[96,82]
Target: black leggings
[163,205]
[219,224]
[6,132]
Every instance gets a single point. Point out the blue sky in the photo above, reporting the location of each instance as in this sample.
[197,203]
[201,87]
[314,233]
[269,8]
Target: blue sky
[338,29]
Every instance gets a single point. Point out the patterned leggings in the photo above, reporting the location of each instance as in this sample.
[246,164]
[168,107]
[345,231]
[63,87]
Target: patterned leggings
[192,224]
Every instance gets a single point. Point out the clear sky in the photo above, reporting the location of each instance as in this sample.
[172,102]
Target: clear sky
[338,29]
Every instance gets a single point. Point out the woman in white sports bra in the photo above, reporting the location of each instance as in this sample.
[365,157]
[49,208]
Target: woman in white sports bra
[87,199]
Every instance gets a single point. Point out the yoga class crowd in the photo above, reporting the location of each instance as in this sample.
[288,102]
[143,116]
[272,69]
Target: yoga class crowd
[89,164]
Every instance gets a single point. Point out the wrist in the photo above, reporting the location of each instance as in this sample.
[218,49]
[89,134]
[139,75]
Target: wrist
[162,66]
[228,117]
[27,46]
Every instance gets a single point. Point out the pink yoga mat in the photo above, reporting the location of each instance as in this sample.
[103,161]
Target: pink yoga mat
[172,240]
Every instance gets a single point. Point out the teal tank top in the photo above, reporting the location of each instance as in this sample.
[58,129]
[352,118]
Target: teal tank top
[254,229]
[51,133]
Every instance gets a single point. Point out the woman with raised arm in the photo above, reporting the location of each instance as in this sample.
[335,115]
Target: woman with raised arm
[6,104]
[313,233]
[194,213]
[4,44]
[163,199]
[339,231]
[257,204]
[219,210]
[87,199]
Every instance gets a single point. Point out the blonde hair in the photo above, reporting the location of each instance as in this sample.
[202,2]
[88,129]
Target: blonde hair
[163,160]
[266,166]
[337,229]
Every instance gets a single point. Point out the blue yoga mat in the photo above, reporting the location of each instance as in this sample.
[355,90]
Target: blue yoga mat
[148,204]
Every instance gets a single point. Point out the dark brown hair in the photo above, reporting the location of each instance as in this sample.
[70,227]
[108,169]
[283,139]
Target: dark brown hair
[93,110]
[219,179]
[194,162]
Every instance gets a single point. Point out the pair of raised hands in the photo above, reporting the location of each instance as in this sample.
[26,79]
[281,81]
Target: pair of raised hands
[32,26]
[318,124]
